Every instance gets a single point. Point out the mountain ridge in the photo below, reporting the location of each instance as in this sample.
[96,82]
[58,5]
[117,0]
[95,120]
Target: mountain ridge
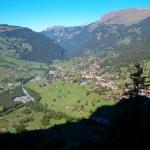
[145,12]
[101,35]
[126,16]
[29,44]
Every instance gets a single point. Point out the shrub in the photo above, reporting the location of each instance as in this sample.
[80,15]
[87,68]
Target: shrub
[26,120]
[54,100]
[38,107]
[20,128]
[26,111]
[87,93]
[46,119]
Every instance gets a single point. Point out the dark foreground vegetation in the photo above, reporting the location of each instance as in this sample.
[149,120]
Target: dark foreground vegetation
[125,125]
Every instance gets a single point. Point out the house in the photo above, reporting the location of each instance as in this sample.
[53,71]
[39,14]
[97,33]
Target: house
[145,92]
[10,84]
[22,99]
[51,75]
[38,78]
[85,82]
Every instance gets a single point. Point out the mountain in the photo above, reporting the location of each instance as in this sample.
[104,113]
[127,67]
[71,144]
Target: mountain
[28,45]
[70,38]
[126,16]
[130,41]
[124,31]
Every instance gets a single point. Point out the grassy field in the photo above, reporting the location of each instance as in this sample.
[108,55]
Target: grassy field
[31,121]
[7,96]
[71,98]
[12,72]
[65,99]
[15,118]
[12,69]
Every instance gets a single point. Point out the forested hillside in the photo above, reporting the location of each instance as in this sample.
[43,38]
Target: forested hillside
[28,45]
[128,37]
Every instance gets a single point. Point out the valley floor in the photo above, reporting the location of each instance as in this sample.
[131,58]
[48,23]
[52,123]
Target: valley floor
[66,91]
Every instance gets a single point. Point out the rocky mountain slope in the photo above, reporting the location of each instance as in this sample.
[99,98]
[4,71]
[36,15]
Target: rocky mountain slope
[127,16]
[29,45]
[124,31]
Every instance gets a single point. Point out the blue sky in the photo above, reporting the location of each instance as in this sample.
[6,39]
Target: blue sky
[40,14]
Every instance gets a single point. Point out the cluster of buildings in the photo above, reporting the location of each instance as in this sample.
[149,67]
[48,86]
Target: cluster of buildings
[85,76]
[51,76]
[91,72]
[145,92]
[94,73]
[100,80]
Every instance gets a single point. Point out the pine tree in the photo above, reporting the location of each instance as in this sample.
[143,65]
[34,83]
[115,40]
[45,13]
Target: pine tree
[138,80]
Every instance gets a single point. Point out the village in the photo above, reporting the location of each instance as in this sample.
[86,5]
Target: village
[86,75]
[76,88]
[92,73]
[85,70]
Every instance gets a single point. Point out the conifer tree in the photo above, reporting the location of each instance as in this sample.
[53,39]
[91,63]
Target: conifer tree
[137,79]
[138,82]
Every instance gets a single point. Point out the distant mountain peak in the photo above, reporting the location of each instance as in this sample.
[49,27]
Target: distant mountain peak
[55,28]
[126,16]
[6,27]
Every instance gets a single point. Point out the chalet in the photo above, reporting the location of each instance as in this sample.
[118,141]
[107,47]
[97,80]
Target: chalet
[22,99]
[51,75]
[85,82]
[10,84]
[145,92]
[38,78]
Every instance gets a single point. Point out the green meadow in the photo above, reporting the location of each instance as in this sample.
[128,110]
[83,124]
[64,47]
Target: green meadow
[72,98]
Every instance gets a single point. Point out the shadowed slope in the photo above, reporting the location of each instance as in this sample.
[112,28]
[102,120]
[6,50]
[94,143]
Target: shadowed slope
[127,127]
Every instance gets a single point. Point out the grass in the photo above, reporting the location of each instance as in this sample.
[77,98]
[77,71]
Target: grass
[13,69]
[10,121]
[3,124]
[16,116]
[7,96]
[71,98]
